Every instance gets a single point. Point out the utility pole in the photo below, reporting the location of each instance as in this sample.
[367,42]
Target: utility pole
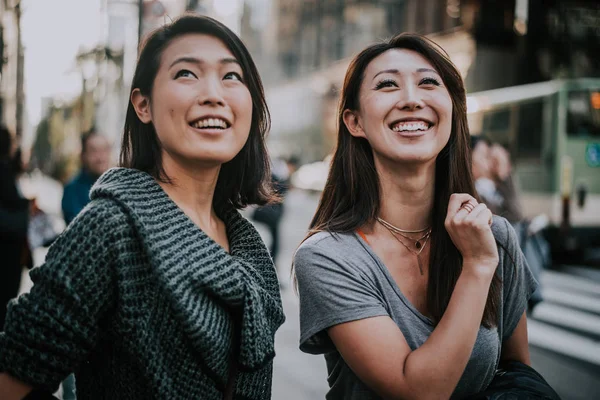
[20,66]
[339,43]
[140,21]
[319,17]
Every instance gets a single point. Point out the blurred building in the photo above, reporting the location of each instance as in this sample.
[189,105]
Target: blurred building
[308,35]
[527,41]
[303,48]
[11,66]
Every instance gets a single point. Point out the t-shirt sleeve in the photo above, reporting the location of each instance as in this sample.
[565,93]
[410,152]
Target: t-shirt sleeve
[332,291]
[517,280]
[52,329]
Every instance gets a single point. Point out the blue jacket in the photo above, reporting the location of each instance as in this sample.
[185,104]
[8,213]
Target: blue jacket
[76,195]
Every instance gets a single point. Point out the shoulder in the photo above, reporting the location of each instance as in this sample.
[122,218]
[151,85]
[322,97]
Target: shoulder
[75,182]
[94,238]
[327,254]
[71,183]
[326,243]
[505,234]
[509,250]
[101,217]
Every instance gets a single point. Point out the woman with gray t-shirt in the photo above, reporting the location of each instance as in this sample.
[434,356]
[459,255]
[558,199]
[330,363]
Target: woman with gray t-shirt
[408,285]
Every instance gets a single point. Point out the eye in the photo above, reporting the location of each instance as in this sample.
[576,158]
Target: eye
[233,76]
[184,73]
[430,81]
[386,83]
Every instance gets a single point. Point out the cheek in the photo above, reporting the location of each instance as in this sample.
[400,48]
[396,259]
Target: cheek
[243,107]
[446,104]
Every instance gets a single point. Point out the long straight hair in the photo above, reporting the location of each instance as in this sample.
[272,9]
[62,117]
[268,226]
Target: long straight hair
[351,197]
[244,180]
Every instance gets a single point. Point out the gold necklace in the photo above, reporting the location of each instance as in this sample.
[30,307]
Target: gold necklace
[426,237]
[418,243]
[396,229]
[403,232]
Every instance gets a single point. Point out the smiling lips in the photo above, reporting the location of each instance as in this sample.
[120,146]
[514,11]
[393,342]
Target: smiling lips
[210,123]
[410,126]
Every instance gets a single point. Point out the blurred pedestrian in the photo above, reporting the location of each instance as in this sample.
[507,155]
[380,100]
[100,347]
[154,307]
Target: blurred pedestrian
[485,184]
[499,190]
[271,215]
[14,217]
[407,284]
[160,289]
[95,160]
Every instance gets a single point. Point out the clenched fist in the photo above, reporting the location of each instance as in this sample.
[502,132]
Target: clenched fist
[469,225]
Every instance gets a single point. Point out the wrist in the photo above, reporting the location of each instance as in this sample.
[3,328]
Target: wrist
[483,270]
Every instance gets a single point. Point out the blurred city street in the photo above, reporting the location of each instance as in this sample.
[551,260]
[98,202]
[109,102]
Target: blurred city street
[530,71]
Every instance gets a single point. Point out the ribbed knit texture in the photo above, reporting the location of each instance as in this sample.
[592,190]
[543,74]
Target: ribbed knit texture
[141,303]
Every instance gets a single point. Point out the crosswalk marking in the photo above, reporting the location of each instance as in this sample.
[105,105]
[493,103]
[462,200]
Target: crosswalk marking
[567,322]
[574,300]
[568,317]
[563,342]
[570,282]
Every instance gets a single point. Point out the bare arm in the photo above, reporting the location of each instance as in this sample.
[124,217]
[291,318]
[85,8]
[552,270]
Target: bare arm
[378,353]
[516,348]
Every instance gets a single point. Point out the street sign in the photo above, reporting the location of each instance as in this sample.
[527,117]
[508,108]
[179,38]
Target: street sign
[592,154]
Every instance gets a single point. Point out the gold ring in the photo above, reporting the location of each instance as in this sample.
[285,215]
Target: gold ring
[468,206]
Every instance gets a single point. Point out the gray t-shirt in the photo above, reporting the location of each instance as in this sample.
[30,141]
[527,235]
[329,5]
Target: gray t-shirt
[340,279]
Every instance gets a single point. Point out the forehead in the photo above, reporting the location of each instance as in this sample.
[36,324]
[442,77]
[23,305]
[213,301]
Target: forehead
[481,147]
[403,60]
[198,45]
[96,141]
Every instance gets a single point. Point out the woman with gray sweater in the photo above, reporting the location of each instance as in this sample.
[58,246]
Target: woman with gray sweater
[160,288]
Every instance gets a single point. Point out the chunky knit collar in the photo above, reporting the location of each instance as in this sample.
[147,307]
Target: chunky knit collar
[215,295]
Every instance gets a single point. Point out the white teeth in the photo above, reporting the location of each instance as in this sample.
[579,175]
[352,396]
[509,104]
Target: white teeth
[210,122]
[410,126]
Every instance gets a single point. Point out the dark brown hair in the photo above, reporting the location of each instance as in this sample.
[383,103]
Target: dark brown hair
[351,197]
[244,180]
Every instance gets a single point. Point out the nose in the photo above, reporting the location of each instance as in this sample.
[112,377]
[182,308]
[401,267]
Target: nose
[410,99]
[211,93]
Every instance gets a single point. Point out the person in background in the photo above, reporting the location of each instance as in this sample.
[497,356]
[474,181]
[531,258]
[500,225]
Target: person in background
[483,178]
[506,185]
[497,187]
[95,160]
[272,214]
[14,217]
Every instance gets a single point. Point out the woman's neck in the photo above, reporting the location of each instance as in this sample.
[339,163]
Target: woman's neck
[407,194]
[192,189]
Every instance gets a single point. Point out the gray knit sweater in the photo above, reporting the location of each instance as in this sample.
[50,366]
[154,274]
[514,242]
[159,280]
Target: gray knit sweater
[141,304]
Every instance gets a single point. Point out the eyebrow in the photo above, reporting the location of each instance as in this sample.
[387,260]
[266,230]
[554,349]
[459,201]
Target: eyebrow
[197,61]
[395,71]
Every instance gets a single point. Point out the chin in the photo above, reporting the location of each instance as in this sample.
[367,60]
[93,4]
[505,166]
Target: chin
[213,158]
[417,154]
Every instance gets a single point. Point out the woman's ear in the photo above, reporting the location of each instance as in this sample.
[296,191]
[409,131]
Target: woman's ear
[352,122]
[141,105]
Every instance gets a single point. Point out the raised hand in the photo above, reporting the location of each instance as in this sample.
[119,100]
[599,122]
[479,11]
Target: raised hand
[468,224]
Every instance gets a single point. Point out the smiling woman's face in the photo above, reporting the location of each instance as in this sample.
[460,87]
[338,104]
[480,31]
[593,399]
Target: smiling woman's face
[405,110]
[200,106]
